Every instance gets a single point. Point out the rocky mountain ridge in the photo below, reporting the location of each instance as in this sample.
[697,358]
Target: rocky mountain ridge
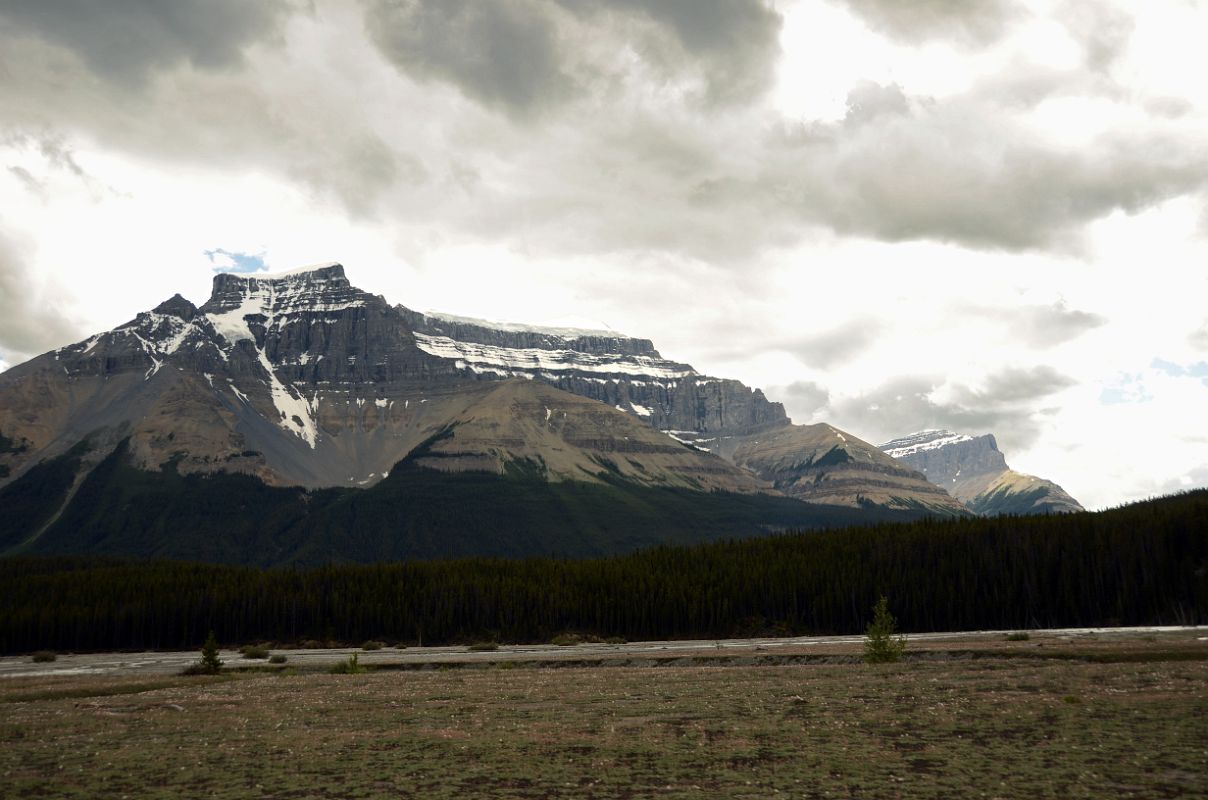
[617,370]
[817,463]
[974,471]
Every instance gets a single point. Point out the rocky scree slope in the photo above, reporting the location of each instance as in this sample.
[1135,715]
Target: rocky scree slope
[974,471]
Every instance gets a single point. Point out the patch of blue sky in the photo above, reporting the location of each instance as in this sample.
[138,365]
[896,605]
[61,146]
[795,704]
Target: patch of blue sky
[1196,370]
[1128,388]
[235,261]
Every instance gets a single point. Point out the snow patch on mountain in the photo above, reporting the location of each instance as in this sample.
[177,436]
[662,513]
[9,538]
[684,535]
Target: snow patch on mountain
[232,325]
[525,362]
[273,299]
[568,334]
[922,441]
[289,273]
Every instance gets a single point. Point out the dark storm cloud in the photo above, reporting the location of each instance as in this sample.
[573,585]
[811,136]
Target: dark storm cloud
[836,345]
[29,323]
[236,120]
[1015,384]
[1103,31]
[802,399]
[1007,405]
[1042,326]
[524,56]
[56,151]
[1194,478]
[904,405]
[56,155]
[504,54]
[614,137]
[963,170]
[973,22]
[1199,337]
[124,40]
[359,169]
[31,184]
[867,101]
[736,40]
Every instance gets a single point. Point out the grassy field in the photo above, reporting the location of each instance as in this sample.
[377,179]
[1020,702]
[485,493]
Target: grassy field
[985,727]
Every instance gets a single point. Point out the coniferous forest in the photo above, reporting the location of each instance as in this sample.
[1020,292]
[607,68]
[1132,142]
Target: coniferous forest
[1146,563]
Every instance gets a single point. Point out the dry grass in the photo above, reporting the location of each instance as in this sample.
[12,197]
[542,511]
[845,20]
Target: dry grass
[986,727]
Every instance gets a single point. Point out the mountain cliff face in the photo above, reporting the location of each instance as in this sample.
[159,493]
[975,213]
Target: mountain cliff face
[626,373]
[303,380]
[972,470]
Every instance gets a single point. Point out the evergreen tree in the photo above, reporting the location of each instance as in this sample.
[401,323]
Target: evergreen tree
[881,646]
[210,662]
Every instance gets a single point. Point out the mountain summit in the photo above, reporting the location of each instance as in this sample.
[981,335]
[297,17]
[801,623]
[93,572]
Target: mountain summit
[972,470]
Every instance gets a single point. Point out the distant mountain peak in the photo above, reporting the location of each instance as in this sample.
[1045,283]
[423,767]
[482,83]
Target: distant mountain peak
[176,306]
[973,470]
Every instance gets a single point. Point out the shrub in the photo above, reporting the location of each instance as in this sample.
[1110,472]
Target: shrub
[615,640]
[277,658]
[373,644]
[312,644]
[1018,636]
[43,656]
[253,651]
[484,646]
[881,646]
[565,640]
[349,667]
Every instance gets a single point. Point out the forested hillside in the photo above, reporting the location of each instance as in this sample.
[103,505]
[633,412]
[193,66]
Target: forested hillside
[415,513]
[1140,564]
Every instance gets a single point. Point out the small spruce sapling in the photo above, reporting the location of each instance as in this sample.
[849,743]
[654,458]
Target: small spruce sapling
[210,662]
[881,646]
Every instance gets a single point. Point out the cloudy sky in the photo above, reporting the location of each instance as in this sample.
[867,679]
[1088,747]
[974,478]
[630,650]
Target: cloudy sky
[987,215]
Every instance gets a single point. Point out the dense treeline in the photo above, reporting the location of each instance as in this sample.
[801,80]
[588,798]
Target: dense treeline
[1140,564]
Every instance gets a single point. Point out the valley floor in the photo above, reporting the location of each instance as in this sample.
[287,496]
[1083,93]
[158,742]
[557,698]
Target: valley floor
[1091,715]
[1046,643]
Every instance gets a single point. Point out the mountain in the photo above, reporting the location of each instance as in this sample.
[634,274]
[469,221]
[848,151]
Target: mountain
[972,470]
[825,465]
[814,463]
[303,380]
